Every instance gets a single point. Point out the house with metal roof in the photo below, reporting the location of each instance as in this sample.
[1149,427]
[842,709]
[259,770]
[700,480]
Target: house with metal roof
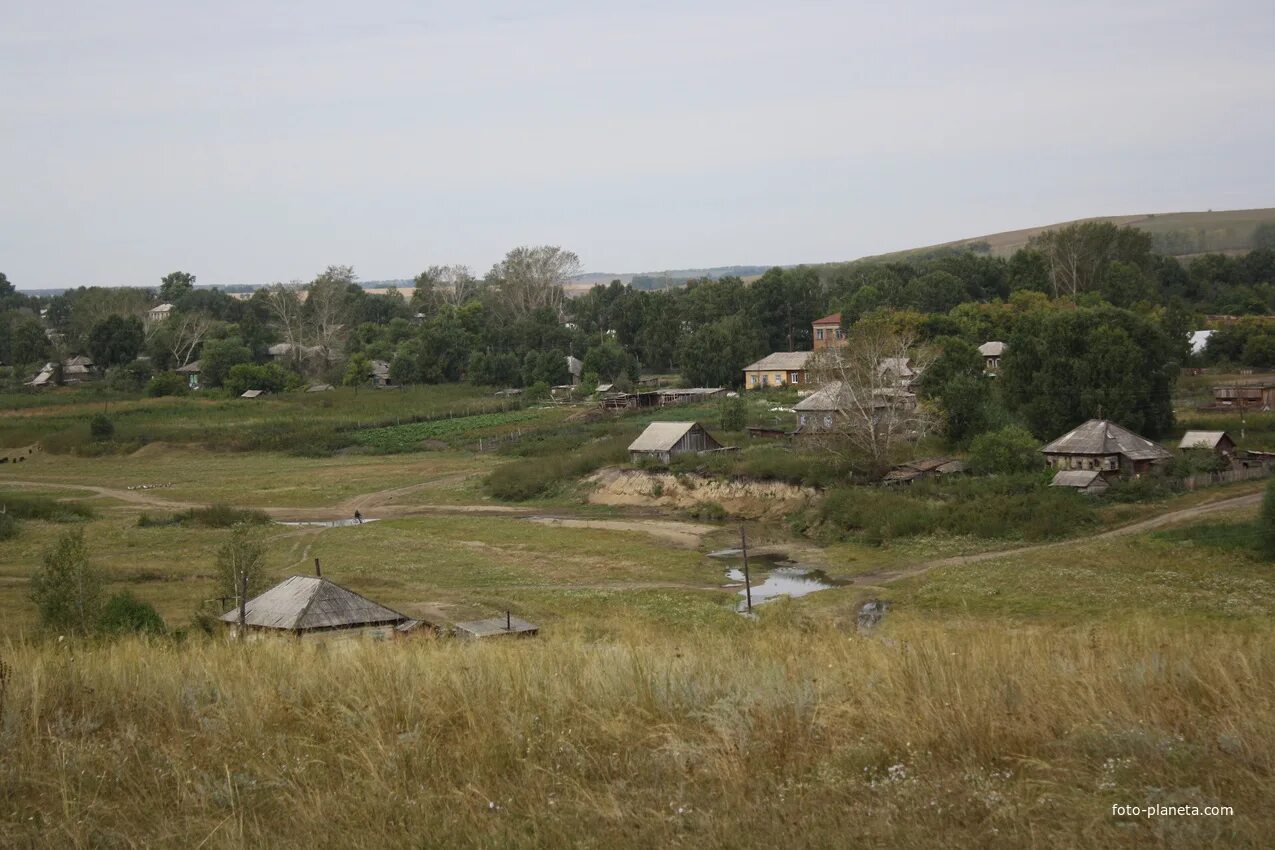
[777,370]
[828,332]
[308,606]
[662,441]
[1102,445]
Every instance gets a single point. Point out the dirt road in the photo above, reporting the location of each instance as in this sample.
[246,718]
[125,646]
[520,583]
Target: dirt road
[1248,500]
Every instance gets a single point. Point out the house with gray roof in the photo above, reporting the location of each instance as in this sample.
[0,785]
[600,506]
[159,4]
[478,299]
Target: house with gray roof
[777,370]
[1102,445]
[306,606]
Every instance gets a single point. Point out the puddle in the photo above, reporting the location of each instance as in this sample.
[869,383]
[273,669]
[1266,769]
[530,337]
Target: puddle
[773,575]
[328,523]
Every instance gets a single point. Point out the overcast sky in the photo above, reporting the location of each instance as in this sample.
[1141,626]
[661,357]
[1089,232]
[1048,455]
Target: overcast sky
[254,141]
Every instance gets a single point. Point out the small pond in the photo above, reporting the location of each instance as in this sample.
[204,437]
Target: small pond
[773,575]
[328,523]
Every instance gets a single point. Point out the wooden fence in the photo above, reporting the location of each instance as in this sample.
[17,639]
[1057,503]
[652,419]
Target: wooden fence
[1209,479]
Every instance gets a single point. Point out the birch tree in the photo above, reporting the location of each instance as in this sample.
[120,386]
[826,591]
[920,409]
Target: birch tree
[286,308]
[870,382]
[531,279]
[186,331]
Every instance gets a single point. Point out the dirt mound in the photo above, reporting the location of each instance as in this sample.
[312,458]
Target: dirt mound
[749,499]
[152,450]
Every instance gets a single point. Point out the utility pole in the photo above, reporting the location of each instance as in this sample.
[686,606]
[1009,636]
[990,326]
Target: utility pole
[243,605]
[748,582]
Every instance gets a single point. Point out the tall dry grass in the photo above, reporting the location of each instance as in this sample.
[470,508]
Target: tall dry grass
[920,736]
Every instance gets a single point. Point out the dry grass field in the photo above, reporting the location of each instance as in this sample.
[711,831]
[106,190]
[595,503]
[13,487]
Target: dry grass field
[761,734]
[1004,702]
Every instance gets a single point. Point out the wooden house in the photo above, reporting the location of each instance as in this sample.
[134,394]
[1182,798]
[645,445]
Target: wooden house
[191,372]
[160,312]
[777,370]
[828,332]
[820,412]
[1106,447]
[686,395]
[1245,397]
[1087,481]
[313,607]
[992,352]
[1217,442]
[381,374]
[663,441]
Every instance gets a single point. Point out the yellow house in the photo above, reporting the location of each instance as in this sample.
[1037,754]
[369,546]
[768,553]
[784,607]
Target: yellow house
[777,370]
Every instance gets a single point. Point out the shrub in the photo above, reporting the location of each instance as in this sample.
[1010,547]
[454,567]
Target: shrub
[1008,507]
[66,588]
[124,613]
[213,516]
[733,414]
[166,384]
[709,511]
[101,427]
[540,476]
[270,377]
[9,527]
[24,506]
[1011,449]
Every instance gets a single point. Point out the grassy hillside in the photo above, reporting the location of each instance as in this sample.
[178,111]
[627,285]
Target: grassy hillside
[1176,234]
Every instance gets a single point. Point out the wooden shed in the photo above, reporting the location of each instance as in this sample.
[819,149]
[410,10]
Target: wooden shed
[1217,442]
[506,626]
[663,441]
[1087,481]
[310,606]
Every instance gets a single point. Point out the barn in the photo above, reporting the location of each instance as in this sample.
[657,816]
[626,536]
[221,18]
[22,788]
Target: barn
[663,441]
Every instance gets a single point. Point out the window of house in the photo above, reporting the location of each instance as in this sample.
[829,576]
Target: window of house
[818,333]
[827,420]
[801,419]
[765,380]
[794,378]
[841,334]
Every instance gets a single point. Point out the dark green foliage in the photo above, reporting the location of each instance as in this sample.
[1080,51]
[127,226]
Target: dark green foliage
[733,414]
[66,588]
[609,361]
[9,527]
[166,384]
[1006,507]
[1228,536]
[213,516]
[534,477]
[270,377]
[219,356]
[1062,368]
[101,427]
[1147,488]
[1010,450]
[125,614]
[715,354]
[1266,524]
[116,340]
[27,506]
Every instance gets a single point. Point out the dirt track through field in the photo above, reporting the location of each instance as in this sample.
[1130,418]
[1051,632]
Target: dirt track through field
[379,504]
[1249,500]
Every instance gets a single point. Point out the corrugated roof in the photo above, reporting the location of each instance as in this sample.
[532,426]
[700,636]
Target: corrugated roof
[251,393]
[190,367]
[1202,439]
[834,319]
[781,361]
[994,348]
[1103,437]
[302,603]
[661,436]
[1075,478]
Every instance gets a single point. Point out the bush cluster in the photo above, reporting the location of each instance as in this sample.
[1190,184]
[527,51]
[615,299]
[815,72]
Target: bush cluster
[213,516]
[532,477]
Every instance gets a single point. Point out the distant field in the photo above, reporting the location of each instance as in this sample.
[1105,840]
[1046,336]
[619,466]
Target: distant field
[1178,234]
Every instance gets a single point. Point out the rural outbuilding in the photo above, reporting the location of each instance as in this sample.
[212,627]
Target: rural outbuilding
[506,626]
[191,372]
[310,606]
[992,352]
[1218,442]
[663,441]
[1088,481]
[252,393]
[1105,446]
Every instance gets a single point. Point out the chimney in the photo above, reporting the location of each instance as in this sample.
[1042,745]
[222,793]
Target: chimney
[318,571]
